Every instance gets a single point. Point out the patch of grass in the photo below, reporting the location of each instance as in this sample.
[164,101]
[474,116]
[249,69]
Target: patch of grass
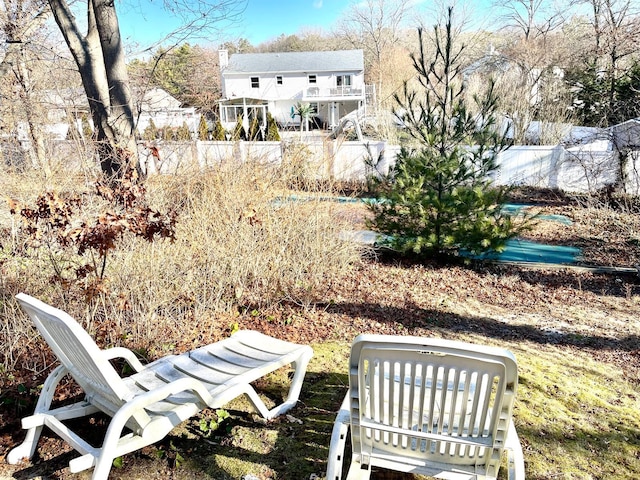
[577,418]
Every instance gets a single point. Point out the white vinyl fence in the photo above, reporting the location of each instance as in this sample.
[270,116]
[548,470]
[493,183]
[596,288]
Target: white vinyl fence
[575,170]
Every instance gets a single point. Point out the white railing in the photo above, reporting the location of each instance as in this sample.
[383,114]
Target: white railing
[343,91]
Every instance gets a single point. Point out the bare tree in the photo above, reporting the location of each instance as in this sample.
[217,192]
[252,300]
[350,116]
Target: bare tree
[616,29]
[376,27]
[99,55]
[19,20]
[529,53]
[533,18]
[21,70]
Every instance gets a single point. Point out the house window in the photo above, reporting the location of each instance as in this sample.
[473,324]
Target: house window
[279,79]
[313,106]
[312,79]
[255,82]
[343,81]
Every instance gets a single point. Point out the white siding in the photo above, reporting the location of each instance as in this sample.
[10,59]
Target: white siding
[294,85]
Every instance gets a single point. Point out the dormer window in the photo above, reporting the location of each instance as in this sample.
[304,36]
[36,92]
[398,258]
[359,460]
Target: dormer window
[255,82]
[312,79]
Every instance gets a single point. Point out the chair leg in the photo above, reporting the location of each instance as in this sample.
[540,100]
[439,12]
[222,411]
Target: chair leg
[111,444]
[102,468]
[515,456]
[300,369]
[28,447]
[338,442]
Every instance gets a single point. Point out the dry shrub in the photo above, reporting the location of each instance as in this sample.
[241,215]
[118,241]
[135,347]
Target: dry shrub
[239,244]
[25,269]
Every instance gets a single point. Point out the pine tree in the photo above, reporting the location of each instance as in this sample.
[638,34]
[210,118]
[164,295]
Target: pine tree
[439,200]
[203,129]
[167,133]
[218,132]
[183,132]
[238,131]
[87,131]
[273,135]
[254,130]
[151,131]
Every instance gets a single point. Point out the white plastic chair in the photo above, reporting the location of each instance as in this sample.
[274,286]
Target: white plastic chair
[427,406]
[156,398]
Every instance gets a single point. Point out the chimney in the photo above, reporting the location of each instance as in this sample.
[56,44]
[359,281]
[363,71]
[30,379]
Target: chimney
[223,59]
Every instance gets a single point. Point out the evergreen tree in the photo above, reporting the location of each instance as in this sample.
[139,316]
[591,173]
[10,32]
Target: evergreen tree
[273,135]
[602,100]
[254,130]
[151,131]
[238,131]
[218,132]
[439,200]
[167,133]
[203,129]
[87,131]
[183,133]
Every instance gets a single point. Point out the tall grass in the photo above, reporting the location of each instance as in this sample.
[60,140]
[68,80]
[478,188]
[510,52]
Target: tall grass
[239,245]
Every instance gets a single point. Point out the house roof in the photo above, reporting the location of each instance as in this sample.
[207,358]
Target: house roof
[627,134]
[66,98]
[153,100]
[159,99]
[338,60]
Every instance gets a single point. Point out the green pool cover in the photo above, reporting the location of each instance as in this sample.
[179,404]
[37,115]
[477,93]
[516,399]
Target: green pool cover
[532,252]
[515,251]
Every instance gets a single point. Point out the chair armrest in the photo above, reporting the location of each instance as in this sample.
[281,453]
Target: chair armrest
[126,354]
[515,457]
[339,441]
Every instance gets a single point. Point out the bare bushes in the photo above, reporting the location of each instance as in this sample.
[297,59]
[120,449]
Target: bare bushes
[240,243]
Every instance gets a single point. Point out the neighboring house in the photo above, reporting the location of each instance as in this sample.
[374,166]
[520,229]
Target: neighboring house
[63,106]
[165,110]
[331,82]
[67,106]
[626,135]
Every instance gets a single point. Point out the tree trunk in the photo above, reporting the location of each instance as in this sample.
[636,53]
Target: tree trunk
[120,117]
[100,59]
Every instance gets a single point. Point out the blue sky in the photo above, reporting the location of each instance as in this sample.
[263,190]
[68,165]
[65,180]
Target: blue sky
[145,22]
[266,19]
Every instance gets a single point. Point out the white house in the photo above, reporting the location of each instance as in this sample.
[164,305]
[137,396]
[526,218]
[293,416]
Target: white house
[70,105]
[331,82]
[166,111]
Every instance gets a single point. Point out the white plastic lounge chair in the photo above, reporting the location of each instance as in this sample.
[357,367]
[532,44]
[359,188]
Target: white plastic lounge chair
[158,396]
[427,406]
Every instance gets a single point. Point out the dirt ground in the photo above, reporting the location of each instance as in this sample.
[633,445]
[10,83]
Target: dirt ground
[579,307]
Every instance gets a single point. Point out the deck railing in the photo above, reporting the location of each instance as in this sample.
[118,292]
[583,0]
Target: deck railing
[342,91]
